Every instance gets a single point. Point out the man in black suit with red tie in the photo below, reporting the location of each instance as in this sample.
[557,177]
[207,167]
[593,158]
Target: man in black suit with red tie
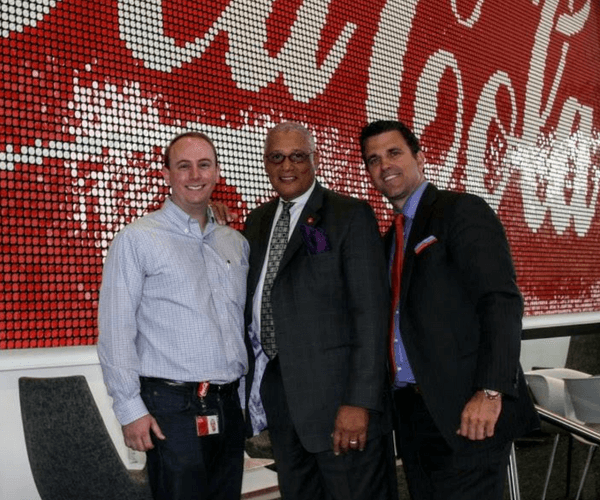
[459,391]
[317,316]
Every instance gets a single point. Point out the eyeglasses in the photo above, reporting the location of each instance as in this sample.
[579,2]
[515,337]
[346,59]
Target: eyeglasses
[296,157]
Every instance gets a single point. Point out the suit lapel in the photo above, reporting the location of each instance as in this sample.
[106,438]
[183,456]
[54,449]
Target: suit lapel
[259,249]
[417,233]
[388,239]
[311,210]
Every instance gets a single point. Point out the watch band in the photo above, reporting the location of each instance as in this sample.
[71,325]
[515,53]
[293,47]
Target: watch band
[491,395]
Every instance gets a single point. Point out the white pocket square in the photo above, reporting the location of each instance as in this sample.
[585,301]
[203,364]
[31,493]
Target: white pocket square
[419,247]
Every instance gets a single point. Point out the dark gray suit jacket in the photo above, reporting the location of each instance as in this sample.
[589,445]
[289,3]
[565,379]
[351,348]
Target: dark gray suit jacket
[460,314]
[331,308]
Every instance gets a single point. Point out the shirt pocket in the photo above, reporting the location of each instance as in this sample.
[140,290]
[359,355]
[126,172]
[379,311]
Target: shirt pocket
[233,280]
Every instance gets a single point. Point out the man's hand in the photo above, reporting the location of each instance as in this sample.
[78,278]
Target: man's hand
[479,417]
[222,213]
[350,432]
[137,433]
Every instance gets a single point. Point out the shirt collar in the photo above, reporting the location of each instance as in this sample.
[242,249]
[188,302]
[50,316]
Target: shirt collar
[181,219]
[301,200]
[410,207]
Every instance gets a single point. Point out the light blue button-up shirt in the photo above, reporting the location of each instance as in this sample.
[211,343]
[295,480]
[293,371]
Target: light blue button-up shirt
[404,374]
[171,306]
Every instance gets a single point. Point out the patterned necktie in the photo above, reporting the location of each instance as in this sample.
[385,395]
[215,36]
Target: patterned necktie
[279,242]
[396,276]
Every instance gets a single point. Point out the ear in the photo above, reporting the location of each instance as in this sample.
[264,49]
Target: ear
[316,160]
[421,161]
[167,175]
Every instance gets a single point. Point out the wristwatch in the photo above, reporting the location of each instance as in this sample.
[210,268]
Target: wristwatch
[491,395]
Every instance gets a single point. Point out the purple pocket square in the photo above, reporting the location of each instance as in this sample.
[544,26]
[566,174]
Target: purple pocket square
[315,239]
[419,247]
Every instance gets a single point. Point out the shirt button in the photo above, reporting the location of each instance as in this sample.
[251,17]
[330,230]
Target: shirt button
[186,231]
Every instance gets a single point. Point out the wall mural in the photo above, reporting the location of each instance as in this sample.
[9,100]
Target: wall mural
[504,95]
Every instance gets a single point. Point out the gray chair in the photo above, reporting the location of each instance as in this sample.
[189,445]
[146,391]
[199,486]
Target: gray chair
[71,454]
[549,390]
[585,398]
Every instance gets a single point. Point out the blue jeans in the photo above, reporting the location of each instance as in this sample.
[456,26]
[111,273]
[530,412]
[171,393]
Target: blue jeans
[185,466]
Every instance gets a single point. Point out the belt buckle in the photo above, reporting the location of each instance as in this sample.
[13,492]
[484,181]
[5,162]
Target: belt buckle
[172,383]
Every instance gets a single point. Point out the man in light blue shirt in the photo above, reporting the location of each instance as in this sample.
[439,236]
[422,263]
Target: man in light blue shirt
[171,333]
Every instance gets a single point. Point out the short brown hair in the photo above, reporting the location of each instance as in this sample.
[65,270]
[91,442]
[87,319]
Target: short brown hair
[193,134]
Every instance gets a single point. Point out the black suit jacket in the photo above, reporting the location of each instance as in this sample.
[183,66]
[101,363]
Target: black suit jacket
[460,314]
[330,311]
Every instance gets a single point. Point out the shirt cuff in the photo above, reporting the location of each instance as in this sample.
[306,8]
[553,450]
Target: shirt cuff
[130,411]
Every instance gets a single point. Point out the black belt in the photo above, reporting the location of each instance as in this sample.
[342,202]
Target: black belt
[224,389]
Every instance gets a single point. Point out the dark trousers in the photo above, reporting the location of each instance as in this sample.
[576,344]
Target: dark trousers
[366,475]
[185,466]
[433,470]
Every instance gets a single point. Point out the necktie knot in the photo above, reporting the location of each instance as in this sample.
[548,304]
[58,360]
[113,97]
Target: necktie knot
[399,225]
[399,222]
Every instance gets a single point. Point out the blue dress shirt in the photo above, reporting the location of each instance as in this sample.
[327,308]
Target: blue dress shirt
[171,306]
[404,374]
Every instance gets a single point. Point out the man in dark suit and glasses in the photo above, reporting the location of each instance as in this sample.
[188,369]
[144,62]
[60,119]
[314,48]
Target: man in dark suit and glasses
[317,316]
[459,391]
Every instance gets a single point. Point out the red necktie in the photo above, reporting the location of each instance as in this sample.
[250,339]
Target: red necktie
[396,277]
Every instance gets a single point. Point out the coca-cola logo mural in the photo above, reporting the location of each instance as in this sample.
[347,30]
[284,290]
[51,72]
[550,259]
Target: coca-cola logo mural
[504,95]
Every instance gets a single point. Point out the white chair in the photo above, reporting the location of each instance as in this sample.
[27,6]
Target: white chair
[549,390]
[585,398]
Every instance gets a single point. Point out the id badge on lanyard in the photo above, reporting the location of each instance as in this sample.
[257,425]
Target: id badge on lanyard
[207,422]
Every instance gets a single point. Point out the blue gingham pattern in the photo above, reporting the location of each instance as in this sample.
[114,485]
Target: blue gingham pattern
[171,306]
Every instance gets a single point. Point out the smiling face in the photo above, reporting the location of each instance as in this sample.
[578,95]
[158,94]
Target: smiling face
[192,175]
[289,179]
[394,169]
